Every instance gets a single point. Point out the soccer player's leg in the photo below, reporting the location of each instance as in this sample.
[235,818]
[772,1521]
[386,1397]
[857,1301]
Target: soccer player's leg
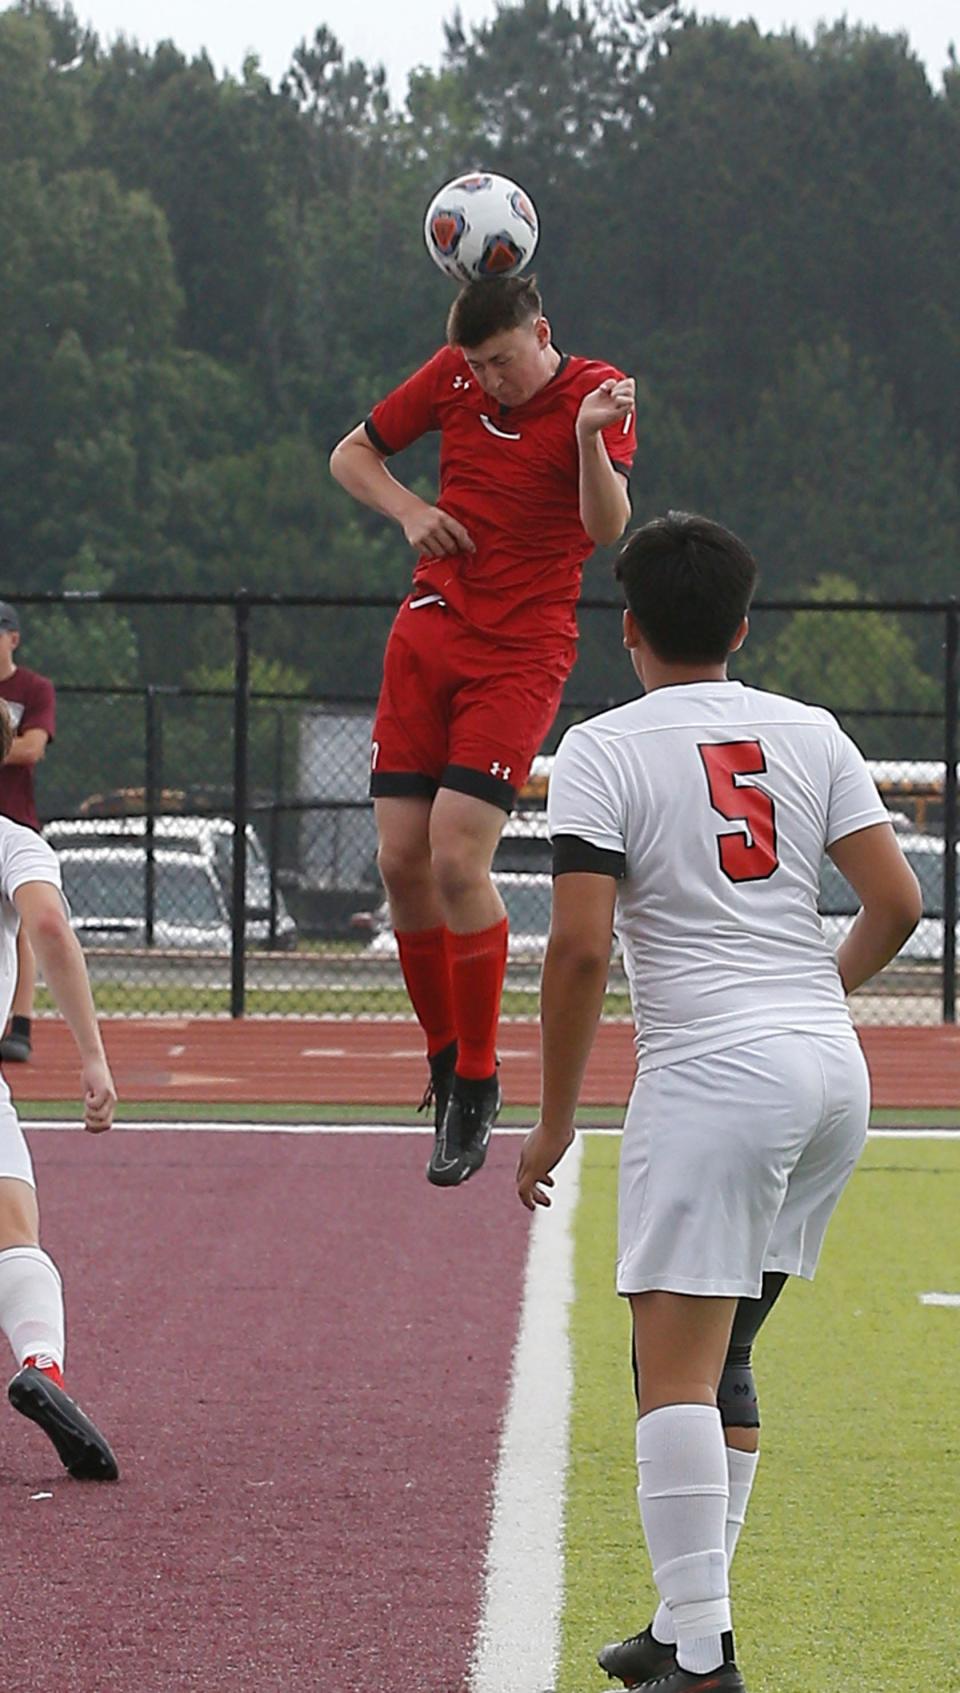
[31,1317]
[408,753]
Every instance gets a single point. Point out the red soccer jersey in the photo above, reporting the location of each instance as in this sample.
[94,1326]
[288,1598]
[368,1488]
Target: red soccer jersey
[511,477]
[32,705]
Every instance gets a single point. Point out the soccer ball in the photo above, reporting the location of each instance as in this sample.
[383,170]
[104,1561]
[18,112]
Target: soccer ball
[481,225]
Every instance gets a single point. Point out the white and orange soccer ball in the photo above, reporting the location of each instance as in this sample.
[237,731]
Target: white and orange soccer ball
[481,225]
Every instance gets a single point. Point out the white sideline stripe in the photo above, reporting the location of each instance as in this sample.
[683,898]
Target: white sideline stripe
[198,1126]
[518,1638]
[951,1299]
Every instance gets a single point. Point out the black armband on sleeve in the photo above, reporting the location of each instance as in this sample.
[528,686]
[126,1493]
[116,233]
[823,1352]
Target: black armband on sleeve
[570,853]
[377,439]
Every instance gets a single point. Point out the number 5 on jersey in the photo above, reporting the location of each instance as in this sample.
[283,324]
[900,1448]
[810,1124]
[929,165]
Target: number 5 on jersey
[750,855]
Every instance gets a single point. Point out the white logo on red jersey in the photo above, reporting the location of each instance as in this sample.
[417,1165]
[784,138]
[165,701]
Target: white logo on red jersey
[461,382]
[501,770]
[501,433]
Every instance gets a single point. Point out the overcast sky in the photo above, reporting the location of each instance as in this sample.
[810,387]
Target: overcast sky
[404,33]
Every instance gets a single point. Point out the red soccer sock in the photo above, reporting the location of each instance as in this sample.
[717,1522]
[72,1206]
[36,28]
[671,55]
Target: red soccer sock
[47,1366]
[478,964]
[425,963]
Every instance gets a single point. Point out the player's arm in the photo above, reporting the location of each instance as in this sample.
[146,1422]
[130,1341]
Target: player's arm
[28,748]
[890,897]
[572,989]
[362,469]
[604,497]
[44,920]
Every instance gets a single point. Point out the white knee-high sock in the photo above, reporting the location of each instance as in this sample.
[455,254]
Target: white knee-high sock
[741,1470]
[31,1304]
[684,1493]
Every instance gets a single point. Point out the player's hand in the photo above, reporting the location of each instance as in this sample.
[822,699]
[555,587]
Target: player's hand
[612,402]
[435,534]
[99,1096]
[541,1152]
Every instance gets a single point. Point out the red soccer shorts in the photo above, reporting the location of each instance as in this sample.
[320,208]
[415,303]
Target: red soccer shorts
[458,711]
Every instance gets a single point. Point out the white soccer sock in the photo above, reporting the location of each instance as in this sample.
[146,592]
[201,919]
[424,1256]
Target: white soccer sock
[31,1304]
[741,1471]
[684,1493]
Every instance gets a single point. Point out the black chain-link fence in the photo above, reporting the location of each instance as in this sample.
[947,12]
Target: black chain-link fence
[207,792]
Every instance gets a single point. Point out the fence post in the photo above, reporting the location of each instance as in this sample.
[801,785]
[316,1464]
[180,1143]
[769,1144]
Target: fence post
[241,748]
[951,823]
[274,835]
[151,792]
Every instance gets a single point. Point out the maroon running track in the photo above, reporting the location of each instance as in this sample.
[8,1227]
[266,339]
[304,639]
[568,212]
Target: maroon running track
[301,1352]
[328,1062]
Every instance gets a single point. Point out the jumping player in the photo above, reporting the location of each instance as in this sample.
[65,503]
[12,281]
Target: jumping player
[31,1292]
[696,819]
[535,453]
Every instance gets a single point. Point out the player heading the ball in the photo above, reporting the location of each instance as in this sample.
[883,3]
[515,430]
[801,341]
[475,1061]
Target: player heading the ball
[536,448]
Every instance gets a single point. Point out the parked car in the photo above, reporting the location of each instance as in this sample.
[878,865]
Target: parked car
[924,853]
[105,891]
[205,839]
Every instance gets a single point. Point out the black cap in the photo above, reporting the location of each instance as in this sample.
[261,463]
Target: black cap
[8,617]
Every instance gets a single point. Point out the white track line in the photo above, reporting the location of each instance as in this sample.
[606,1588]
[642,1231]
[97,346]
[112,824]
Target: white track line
[189,1126]
[519,1635]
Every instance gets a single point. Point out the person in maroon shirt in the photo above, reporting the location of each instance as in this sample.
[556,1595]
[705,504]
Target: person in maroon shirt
[31,702]
[535,454]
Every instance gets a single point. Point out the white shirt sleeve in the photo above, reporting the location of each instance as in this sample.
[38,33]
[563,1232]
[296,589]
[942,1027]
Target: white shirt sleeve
[585,797]
[25,857]
[854,800]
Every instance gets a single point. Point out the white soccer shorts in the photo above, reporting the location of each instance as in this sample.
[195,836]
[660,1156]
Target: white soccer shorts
[15,1157]
[732,1164]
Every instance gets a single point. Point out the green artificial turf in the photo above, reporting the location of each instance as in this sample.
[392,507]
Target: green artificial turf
[846,1576]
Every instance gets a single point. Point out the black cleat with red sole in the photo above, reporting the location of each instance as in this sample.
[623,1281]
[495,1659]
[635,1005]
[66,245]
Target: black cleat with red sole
[637,1659]
[725,1679]
[80,1446]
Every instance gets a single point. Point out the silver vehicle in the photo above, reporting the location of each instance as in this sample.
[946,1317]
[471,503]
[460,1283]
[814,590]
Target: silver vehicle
[924,853]
[205,839]
[105,891]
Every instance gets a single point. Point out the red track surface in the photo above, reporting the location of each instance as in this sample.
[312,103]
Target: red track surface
[207,1060]
[301,1353]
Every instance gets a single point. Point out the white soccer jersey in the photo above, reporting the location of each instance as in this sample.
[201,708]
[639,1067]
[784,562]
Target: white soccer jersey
[24,857]
[722,800]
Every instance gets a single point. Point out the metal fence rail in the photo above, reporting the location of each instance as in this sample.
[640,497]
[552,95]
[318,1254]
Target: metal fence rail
[208,794]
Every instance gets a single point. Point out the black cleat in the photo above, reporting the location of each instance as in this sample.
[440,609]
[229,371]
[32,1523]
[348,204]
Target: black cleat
[464,1134]
[725,1679]
[81,1448]
[637,1660]
[442,1066]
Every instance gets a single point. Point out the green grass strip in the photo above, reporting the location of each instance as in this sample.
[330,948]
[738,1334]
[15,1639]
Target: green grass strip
[846,1575]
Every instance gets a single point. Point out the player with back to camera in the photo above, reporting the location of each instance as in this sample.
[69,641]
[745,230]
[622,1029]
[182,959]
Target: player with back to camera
[31,1291]
[536,449]
[694,821]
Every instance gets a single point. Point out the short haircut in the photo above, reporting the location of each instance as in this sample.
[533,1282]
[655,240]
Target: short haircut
[7,731]
[688,583]
[489,307]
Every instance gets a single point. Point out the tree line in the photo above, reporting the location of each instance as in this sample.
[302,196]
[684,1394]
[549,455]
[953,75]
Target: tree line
[205,280]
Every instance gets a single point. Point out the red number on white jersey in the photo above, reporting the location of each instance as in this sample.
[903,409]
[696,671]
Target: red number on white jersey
[750,856]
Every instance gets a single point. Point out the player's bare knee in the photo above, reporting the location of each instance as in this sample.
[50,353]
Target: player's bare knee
[458,870]
[19,1224]
[403,869]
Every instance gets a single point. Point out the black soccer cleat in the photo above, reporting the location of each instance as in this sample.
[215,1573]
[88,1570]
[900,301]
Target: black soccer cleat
[637,1660]
[80,1446]
[437,1094]
[725,1679]
[464,1134]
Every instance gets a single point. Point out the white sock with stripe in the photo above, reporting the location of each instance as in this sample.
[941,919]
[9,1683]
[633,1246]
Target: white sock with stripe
[741,1471]
[684,1493]
[31,1304]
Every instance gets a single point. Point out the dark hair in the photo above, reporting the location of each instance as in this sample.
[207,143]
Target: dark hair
[688,583]
[488,307]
